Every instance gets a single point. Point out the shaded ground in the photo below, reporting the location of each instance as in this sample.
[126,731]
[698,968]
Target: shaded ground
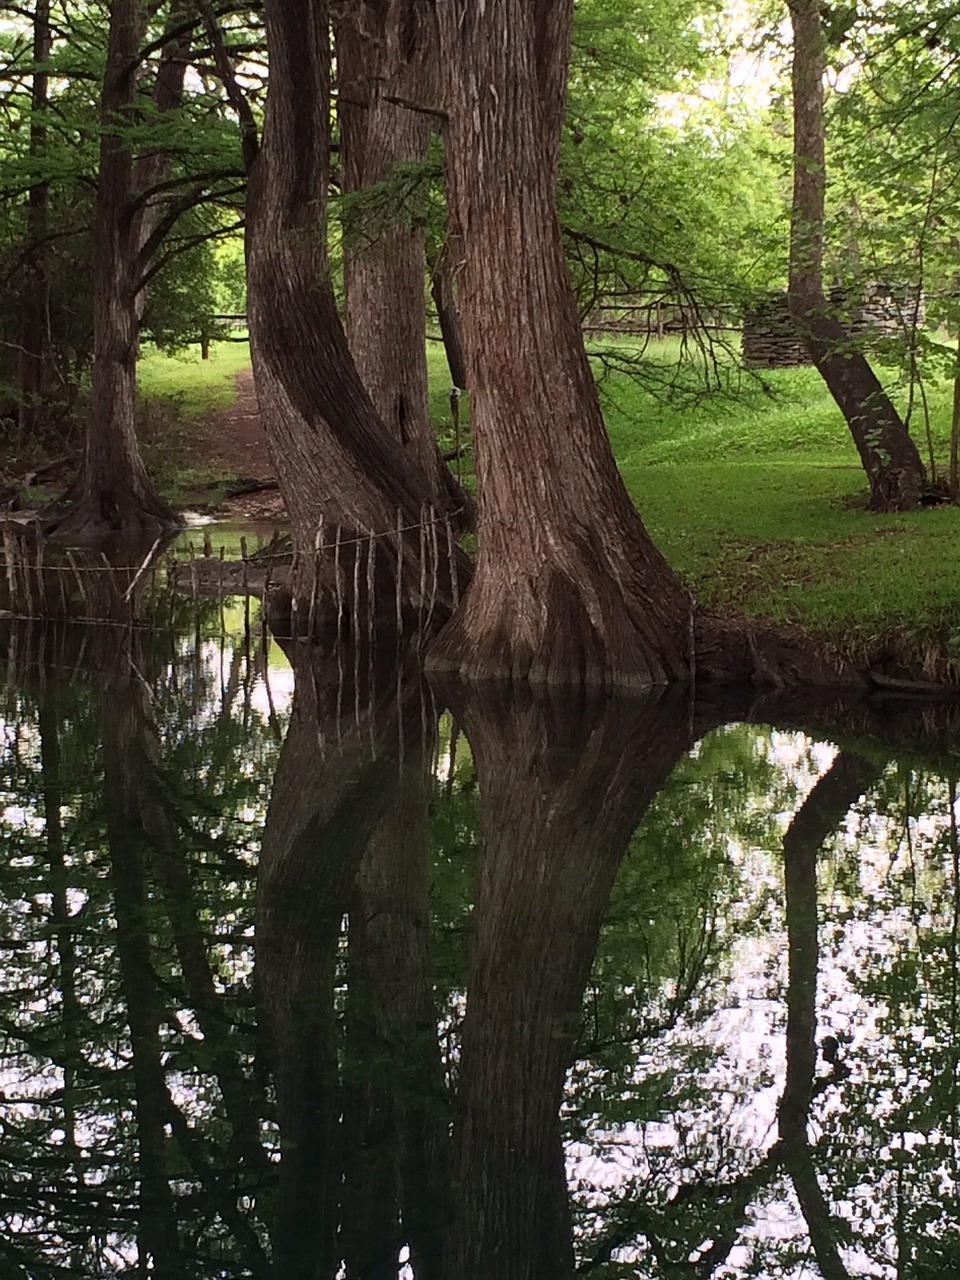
[232,444]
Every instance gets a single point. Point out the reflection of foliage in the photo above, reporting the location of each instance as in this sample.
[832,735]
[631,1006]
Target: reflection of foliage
[198,767]
[664,949]
[895,941]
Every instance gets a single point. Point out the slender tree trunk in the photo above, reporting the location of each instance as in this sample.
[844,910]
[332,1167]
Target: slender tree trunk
[385,53]
[889,456]
[114,494]
[152,167]
[336,462]
[568,587]
[36,282]
[562,790]
[448,317]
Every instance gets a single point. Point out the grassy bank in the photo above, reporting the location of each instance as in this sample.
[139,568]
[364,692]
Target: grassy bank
[758,503]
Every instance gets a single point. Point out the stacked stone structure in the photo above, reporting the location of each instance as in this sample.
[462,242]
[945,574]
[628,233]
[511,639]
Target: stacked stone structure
[770,340]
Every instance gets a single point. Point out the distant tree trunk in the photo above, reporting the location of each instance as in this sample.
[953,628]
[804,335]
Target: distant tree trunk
[385,52]
[153,166]
[114,494]
[568,587]
[335,460]
[889,456]
[36,283]
[563,790]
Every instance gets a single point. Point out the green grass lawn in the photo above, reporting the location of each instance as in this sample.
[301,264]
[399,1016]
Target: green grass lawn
[199,386]
[761,507]
[758,503]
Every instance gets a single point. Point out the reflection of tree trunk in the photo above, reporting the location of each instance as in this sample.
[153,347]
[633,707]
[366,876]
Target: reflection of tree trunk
[818,817]
[560,800]
[242,1105]
[157,1235]
[70,1013]
[326,802]
[396,1126]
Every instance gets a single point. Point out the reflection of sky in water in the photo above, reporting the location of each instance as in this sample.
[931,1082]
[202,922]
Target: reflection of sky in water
[737,1095]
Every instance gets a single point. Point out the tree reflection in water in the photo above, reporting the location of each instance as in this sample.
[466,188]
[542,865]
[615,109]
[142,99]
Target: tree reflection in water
[608,991]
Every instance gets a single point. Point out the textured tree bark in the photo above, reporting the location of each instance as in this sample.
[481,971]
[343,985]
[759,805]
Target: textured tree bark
[114,494]
[889,456]
[335,461]
[568,587]
[562,792]
[386,56]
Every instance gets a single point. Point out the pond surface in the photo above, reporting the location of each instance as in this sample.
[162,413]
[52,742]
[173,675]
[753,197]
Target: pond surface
[315,971]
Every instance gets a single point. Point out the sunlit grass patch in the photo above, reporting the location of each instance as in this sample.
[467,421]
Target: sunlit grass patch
[199,386]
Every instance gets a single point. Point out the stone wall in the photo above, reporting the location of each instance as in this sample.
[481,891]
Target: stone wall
[771,342]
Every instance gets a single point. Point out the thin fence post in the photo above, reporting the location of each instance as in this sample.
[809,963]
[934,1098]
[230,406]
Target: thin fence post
[452,553]
[315,586]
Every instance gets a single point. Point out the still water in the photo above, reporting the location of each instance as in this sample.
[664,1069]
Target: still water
[308,969]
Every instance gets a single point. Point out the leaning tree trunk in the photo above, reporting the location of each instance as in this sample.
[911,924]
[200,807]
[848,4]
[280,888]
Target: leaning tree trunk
[568,586]
[382,55]
[889,456]
[114,494]
[337,464]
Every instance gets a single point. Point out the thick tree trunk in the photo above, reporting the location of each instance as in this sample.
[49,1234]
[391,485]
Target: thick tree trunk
[568,587]
[562,792]
[889,456]
[384,53]
[336,462]
[114,494]
[36,283]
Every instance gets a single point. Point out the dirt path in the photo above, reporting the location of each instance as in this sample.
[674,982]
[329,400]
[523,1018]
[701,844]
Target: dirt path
[232,444]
